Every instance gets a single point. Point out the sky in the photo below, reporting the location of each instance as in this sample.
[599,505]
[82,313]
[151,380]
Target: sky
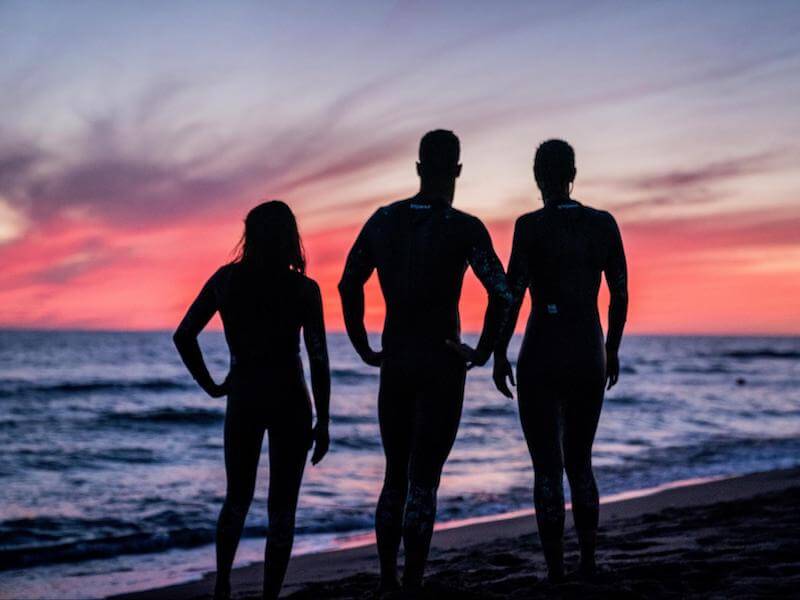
[134,137]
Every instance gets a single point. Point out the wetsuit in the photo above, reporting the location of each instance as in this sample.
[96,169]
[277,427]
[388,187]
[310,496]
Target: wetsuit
[421,249]
[559,253]
[262,314]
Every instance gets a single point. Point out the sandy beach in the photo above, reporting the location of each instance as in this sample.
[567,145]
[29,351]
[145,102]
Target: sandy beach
[734,537]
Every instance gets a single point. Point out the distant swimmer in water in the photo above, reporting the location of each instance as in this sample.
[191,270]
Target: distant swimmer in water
[559,253]
[421,248]
[264,299]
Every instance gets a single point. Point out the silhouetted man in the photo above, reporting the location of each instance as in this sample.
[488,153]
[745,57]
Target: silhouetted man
[421,248]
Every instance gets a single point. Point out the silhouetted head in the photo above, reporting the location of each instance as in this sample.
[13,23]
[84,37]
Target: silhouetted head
[438,164]
[554,167]
[271,240]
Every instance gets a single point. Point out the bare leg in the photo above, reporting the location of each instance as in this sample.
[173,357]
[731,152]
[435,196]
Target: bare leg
[287,456]
[243,439]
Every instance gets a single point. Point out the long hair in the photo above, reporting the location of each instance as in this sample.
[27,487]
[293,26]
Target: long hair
[271,241]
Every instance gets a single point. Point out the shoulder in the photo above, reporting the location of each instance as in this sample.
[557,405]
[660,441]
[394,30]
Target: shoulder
[222,276]
[530,218]
[309,286]
[599,216]
[310,294]
[389,210]
[219,283]
[464,219]
[303,286]
[470,228]
[393,207]
[603,222]
[383,215]
[606,222]
[527,222]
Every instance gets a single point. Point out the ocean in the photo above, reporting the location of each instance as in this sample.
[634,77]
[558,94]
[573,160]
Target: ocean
[111,470]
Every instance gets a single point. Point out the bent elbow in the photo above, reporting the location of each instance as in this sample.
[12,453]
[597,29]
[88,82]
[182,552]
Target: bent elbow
[345,287]
[180,337]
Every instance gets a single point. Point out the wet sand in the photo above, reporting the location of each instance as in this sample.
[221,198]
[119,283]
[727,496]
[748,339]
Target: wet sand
[736,537]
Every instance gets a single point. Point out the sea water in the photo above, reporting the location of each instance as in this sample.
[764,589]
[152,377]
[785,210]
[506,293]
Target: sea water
[111,469]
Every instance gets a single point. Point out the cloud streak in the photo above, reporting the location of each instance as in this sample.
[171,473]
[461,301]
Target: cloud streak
[103,179]
[721,171]
[124,177]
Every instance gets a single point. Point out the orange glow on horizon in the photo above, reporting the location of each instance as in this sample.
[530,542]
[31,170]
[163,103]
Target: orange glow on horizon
[679,281]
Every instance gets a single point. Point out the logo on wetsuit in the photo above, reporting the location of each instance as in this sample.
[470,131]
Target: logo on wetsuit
[552,309]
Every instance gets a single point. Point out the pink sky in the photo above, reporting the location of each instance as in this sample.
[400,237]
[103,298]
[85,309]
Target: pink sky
[132,146]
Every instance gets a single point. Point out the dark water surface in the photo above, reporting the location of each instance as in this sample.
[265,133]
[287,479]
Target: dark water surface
[110,450]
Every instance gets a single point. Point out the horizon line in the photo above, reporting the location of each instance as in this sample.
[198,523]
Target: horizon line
[24,329]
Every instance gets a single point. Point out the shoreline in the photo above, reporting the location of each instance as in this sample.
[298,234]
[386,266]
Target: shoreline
[358,556]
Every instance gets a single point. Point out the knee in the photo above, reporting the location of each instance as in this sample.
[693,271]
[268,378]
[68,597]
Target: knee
[389,512]
[548,495]
[422,495]
[420,508]
[580,475]
[549,482]
[237,504]
[392,498]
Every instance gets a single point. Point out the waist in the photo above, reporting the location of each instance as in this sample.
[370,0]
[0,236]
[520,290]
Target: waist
[553,308]
[265,362]
[405,342]
[420,365]
[264,380]
[430,321]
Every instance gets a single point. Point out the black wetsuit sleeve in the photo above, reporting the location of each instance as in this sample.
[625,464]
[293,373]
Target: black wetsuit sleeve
[317,348]
[357,270]
[518,278]
[616,272]
[185,337]
[489,270]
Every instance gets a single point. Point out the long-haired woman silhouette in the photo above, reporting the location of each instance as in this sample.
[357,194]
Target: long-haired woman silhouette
[264,300]
[560,252]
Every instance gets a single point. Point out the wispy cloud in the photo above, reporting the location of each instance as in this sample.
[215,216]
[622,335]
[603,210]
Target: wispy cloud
[121,171]
[708,173]
[123,167]
[704,183]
